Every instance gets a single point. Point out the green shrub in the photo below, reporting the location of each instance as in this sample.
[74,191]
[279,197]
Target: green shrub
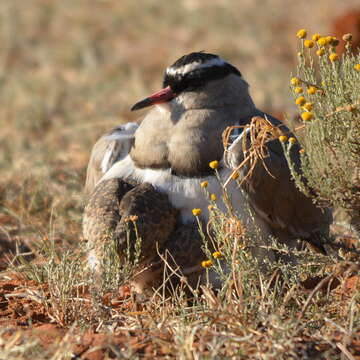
[327,90]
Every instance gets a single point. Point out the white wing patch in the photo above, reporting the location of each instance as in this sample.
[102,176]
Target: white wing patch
[105,161]
[120,140]
[231,153]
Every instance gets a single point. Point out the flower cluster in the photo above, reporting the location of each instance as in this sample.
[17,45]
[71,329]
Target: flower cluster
[325,89]
[283,139]
[321,43]
[324,45]
[208,263]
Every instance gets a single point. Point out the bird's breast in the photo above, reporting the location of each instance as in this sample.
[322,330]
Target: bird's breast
[185,144]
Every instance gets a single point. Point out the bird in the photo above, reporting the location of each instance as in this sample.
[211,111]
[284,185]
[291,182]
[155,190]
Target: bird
[171,149]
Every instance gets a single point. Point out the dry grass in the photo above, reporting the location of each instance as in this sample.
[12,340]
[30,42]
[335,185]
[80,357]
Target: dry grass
[71,70]
[260,131]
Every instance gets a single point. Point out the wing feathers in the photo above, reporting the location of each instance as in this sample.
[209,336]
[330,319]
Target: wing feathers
[110,148]
[275,197]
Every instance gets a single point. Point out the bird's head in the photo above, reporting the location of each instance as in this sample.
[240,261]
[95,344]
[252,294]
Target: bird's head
[199,80]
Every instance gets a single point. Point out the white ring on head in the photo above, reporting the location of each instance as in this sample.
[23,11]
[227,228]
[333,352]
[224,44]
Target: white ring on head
[194,65]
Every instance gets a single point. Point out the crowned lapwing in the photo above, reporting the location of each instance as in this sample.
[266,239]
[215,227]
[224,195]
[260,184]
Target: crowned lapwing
[181,134]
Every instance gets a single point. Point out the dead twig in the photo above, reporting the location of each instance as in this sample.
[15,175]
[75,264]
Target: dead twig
[318,287]
[261,131]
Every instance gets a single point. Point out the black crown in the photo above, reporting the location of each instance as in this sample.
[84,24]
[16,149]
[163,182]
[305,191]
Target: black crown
[200,57]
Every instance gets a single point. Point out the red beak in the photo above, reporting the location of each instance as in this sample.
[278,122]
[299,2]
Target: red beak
[159,97]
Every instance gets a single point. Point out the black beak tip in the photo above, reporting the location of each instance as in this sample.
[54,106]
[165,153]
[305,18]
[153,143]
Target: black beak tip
[142,104]
[135,107]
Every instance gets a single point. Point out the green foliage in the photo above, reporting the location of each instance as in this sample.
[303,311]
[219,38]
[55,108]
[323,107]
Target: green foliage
[330,135]
[118,269]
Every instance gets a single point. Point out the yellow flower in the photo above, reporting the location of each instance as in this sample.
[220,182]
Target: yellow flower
[308,106]
[298,90]
[204,184]
[302,151]
[300,101]
[283,138]
[322,41]
[213,197]
[196,212]
[320,52]
[294,81]
[311,90]
[211,207]
[206,263]
[217,255]
[301,34]
[307,116]
[292,140]
[357,67]
[333,57]
[309,44]
[214,164]
[316,37]
[235,175]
